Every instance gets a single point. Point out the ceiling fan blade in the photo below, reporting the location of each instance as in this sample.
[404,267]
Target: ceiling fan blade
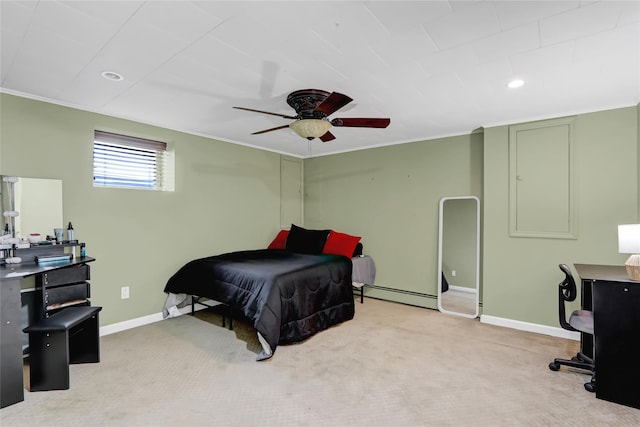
[267,112]
[333,103]
[361,122]
[269,130]
[327,137]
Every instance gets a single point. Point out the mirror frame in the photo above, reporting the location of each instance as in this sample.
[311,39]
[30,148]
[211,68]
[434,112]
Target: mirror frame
[440,236]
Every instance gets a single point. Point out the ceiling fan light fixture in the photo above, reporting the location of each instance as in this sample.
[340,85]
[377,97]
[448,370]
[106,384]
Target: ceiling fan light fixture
[313,108]
[310,128]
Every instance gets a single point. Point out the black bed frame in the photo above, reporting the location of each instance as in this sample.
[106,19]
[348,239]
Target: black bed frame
[225,311]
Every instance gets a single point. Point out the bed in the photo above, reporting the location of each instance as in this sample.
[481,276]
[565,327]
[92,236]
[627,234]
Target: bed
[288,293]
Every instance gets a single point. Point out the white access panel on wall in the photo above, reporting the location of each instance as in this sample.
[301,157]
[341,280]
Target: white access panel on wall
[542,201]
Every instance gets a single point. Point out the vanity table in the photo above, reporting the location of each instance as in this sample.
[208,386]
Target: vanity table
[55,281]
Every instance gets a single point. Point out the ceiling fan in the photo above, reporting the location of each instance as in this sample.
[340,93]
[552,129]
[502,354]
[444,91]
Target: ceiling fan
[313,106]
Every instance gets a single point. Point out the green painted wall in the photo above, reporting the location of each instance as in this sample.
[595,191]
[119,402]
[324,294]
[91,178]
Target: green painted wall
[227,197]
[390,196]
[521,275]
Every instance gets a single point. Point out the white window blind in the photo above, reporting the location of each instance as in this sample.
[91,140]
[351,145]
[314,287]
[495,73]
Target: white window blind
[130,162]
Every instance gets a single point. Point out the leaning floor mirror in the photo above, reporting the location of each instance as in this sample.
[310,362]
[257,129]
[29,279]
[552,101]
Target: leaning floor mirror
[459,256]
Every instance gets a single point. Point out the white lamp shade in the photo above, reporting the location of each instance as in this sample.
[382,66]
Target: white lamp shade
[629,239]
[310,128]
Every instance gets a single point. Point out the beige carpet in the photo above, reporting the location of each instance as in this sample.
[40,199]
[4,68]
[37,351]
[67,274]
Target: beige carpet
[393,365]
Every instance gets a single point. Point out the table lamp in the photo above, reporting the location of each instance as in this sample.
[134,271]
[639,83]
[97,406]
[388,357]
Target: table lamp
[629,243]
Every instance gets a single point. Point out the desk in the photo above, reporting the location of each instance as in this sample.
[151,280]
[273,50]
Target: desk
[615,301]
[12,386]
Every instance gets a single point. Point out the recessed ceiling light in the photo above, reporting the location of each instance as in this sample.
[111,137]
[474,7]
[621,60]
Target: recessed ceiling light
[515,83]
[112,75]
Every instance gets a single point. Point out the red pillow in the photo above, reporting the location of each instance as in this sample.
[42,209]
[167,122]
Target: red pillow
[340,244]
[280,242]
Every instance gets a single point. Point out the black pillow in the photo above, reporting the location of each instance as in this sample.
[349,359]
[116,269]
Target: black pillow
[305,241]
[358,250]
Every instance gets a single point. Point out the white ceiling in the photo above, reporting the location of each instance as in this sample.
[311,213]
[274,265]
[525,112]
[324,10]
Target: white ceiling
[436,68]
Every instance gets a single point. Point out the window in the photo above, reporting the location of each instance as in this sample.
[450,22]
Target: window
[129,162]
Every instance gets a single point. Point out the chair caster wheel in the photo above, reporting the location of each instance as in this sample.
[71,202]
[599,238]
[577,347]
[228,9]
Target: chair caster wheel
[554,366]
[590,387]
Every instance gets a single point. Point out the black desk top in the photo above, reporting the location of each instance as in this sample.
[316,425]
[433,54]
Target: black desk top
[25,269]
[611,273]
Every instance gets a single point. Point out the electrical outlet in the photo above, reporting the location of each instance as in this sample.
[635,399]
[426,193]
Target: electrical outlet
[124,292]
[453,273]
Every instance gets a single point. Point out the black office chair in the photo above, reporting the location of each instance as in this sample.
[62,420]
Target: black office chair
[579,321]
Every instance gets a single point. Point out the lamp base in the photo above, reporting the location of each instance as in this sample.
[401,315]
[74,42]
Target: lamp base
[633,267]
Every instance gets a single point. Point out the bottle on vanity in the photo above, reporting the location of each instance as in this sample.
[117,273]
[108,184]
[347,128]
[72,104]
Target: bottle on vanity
[70,232]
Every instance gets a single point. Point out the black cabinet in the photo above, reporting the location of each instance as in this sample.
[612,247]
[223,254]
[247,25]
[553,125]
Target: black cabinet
[61,288]
[12,389]
[617,341]
[615,301]
[55,283]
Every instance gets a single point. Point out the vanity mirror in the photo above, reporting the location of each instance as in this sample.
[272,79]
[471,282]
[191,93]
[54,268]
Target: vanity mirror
[38,201]
[459,256]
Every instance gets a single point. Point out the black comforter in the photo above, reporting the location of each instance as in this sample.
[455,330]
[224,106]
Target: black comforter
[288,296]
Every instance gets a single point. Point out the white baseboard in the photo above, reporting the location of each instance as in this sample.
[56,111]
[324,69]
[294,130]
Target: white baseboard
[484,318]
[141,321]
[462,289]
[530,327]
